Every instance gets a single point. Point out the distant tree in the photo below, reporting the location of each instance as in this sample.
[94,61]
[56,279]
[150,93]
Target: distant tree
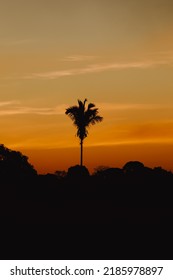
[100,170]
[82,118]
[133,166]
[14,164]
[78,172]
[160,170]
[60,174]
[108,173]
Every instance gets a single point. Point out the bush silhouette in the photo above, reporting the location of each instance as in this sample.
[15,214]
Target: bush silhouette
[77,172]
[133,166]
[14,165]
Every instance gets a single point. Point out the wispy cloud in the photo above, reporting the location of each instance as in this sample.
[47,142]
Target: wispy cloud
[15,108]
[165,54]
[96,68]
[155,140]
[74,58]
[15,42]
[131,106]
[7,103]
[157,60]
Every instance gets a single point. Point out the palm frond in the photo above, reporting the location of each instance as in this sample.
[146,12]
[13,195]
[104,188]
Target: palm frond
[83,118]
[90,105]
[96,119]
[72,112]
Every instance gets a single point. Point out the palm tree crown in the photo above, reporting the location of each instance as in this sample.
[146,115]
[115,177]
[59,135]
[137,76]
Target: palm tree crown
[82,118]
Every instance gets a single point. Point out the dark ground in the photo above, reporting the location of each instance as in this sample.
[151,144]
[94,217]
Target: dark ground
[87,218]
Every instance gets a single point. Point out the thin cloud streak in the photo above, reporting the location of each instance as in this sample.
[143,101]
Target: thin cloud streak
[15,108]
[8,42]
[33,143]
[165,54]
[75,58]
[133,142]
[96,68]
[135,106]
[21,110]
[6,103]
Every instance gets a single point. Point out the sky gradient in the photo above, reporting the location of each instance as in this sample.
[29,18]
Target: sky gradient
[116,53]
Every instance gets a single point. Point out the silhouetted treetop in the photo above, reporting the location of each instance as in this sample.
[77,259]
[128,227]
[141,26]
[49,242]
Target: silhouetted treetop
[83,118]
[77,172]
[60,174]
[14,163]
[131,166]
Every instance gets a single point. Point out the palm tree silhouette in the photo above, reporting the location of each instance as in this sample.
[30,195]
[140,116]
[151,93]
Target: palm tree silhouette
[82,118]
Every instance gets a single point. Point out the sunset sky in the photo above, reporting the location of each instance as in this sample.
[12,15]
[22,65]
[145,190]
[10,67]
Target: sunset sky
[116,53]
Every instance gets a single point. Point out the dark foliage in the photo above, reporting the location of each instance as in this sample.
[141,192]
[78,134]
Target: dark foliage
[113,206]
[78,172]
[14,165]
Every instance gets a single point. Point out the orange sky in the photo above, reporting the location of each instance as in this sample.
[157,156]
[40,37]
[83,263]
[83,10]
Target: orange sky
[117,54]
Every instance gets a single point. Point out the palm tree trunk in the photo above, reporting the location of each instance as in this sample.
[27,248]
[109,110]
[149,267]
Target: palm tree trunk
[81,152]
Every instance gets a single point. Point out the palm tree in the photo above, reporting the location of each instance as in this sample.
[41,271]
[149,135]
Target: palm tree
[82,118]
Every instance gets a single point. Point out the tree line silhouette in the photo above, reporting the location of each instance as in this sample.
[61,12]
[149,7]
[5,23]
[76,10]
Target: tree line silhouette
[76,196]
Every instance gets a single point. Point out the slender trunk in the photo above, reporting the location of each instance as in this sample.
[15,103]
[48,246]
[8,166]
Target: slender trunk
[81,152]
